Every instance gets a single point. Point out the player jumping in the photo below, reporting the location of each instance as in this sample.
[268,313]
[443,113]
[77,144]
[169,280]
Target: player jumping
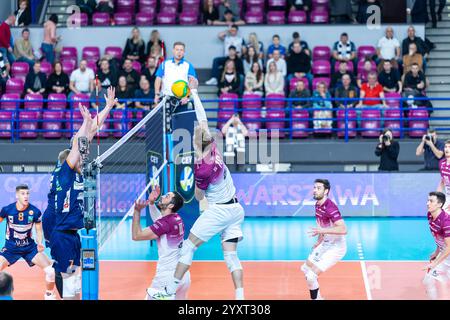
[444,168]
[168,230]
[21,217]
[438,270]
[224,215]
[331,245]
[67,191]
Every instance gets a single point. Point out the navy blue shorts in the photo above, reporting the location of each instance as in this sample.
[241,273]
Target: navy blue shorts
[65,248]
[14,254]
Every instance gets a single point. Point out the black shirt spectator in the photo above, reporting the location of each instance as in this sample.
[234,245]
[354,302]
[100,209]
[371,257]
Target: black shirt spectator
[36,80]
[3,74]
[130,74]
[155,39]
[134,47]
[23,14]
[346,90]
[421,46]
[230,81]
[298,62]
[388,150]
[419,11]
[123,92]
[432,149]
[303,44]
[144,92]
[58,81]
[411,80]
[336,78]
[106,77]
[390,79]
[150,72]
[210,12]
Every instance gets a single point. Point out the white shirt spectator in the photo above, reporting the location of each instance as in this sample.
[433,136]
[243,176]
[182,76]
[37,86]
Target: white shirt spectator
[82,80]
[281,66]
[236,41]
[170,71]
[388,47]
[274,83]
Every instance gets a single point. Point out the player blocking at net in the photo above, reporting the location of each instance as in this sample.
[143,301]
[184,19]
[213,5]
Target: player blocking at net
[331,245]
[168,231]
[224,215]
[21,217]
[438,270]
[64,215]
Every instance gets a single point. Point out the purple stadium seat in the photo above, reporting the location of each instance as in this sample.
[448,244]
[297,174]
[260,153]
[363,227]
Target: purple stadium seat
[351,117]
[168,3]
[116,52]
[52,124]
[316,81]
[77,99]
[277,3]
[20,70]
[147,4]
[91,53]
[361,66]
[191,5]
[278,123]
[123,19]
[7,104]
[392,99]
[5,124]
[57,101]
[225,102]
[350,66]
[254,17]
[148,10]
[276,17]
[68,66]
[46,67]
[321,53]
[33,101]
[169,9]
[297,17]
[188,18]
[319,16]
[323,4]
[392,121]
[418,122]
[73,122]
[366,52]
[166,18]
[125,6]
[137,66]
[122,122]
[145,18]
[293,83]
[101,19]
[77,20]
[256,102]
[252,120]
[69,54]
[15,85]
[255,3]
[28,121]
[372,126]
[223,116]
[300,121]
[321,67]
[256,9]
[92,65]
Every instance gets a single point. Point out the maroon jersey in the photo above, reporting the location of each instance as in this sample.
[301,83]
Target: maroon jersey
[326,215]
[440,228]
[444,169]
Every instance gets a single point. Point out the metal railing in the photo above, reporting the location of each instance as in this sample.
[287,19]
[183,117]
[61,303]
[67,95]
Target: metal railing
[288,126]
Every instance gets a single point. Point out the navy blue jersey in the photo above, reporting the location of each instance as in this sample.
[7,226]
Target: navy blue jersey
[68,199]
[48,219]
[19,225]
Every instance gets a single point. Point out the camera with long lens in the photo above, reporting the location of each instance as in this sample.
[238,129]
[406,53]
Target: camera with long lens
[428,137]
[386,138]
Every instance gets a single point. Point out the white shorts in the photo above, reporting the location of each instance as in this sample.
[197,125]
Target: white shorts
[225,219]
[327,254]
[442,272]
[162,279]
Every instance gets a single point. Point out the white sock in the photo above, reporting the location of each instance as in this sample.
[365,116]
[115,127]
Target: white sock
[49,292]
[239,294]
[173,286]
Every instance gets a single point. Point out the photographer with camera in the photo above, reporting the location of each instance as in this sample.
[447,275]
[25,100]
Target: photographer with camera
[432,149]
[388,151]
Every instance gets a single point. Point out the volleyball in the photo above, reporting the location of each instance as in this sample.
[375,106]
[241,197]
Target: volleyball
[180,89]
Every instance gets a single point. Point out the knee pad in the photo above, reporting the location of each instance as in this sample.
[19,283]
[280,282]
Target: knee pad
[232,261]
[187,252]
[49,274]
[311,277]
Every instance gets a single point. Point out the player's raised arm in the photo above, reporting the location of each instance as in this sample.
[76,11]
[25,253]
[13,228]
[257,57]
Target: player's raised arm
[199,109]
[111,101]
[440,187]
[154,211]
[74,155]
[139,234]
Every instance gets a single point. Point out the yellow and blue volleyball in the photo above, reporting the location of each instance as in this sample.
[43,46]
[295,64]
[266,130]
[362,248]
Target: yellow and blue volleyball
[180,89]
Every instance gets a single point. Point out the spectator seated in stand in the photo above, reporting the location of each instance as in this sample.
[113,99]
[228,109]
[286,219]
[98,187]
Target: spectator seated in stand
[412,57]
[276,45]
[364,74]
[389,49]
[150,71]
[414,85]
[58,81]
[300,92]
[336,78]
[156,47]
[81,80]
[23,50]
[390,78]
[371,90]
[256,44]
[346,90]
[296,38]
[300,5]
[321,93]
[279,61]
[274,80]
[254,80]
[134,47]
[130,74]
[144,92]
[299,64]
[106,78]
[230,81]
[36,80]
[23,14]
[344,50]
[210,13]
[219,63]
[229,19]
[251,57]
[123,92]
